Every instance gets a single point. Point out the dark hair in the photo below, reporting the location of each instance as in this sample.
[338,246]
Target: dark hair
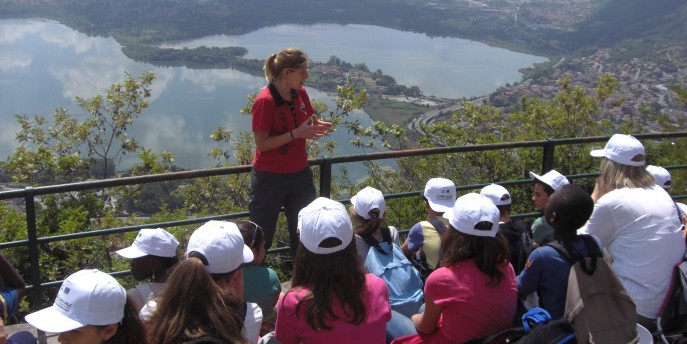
[194,306]
[572,205]
[253,235]
[130,329]
[487,252]
[326,277]
[166,264]
[504,208]
[547,188]
[366,228]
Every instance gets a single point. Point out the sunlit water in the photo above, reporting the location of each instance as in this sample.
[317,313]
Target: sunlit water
[44,64]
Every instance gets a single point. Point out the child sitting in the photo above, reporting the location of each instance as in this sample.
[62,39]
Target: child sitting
[547,270]
[261,284]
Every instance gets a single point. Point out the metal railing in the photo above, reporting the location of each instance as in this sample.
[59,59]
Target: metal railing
[29,194]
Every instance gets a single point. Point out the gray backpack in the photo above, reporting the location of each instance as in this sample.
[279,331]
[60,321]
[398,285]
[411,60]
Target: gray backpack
[597,303]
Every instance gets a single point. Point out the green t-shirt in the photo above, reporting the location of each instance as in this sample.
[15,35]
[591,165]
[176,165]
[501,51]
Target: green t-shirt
[542,232]
[261,285]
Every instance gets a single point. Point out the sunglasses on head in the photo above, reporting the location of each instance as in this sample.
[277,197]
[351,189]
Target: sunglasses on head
[255,232]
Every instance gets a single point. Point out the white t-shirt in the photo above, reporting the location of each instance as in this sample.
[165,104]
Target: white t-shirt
[640,229]
[144,292]
[252,323]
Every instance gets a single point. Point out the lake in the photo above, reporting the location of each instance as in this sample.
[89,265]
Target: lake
[44,64]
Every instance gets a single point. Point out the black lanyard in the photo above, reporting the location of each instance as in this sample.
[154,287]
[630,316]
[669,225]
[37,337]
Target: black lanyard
[293,112]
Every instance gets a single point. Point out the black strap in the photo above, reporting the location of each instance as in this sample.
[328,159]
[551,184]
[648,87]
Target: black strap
[372,242]
[568,251]
[207,339]
[438,225]
[682,225]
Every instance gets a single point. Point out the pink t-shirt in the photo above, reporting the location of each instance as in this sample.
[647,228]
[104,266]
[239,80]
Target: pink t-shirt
[469,308]
[293,328]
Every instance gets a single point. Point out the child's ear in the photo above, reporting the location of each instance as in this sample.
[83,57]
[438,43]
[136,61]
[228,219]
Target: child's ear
[553,218]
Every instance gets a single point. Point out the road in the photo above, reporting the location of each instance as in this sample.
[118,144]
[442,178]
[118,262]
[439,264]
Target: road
[428,118]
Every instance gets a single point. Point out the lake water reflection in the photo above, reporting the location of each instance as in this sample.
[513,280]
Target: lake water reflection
[44,64]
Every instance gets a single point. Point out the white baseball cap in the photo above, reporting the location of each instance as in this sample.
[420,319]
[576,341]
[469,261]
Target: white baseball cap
[623,149]
[440,194]
[497,194]
[221,243]
[552,178]
[86,297]
[151,241]
[662,177]
[367,199]
[323,219]
[471,209]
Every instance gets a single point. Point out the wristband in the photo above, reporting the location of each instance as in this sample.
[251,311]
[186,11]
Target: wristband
[291,134]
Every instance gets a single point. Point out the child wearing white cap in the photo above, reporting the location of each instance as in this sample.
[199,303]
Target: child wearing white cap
[517,233]
[544,186]
[368,209]
[90,307]
[473,294]
[204,294]
[261,284]
[379,250]
[637,222]
[331,299]
[661,176]
[547,270]
[424,238]
[153,253]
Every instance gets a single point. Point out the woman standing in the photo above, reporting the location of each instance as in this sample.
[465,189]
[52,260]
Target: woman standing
[637,222]
[283,119]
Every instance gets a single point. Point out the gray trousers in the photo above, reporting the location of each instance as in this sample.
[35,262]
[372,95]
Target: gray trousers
[272,191]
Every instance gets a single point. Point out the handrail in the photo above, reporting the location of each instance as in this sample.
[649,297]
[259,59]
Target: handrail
[325,163]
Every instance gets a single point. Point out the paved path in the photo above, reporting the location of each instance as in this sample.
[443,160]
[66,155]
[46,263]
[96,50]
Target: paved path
[11,329]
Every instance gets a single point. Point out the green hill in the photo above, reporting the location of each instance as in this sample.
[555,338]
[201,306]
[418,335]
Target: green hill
[618,20]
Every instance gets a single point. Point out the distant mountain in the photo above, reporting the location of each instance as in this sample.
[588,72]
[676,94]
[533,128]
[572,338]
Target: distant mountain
[618,20]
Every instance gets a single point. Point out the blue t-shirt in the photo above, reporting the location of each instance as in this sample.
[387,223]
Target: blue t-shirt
[10,302]
[546,272]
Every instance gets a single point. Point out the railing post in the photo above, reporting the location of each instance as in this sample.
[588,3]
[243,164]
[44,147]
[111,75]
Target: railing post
[34,258]
[326,179]
[547,160]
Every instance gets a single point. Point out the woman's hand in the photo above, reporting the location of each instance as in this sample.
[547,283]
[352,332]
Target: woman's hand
[598,190]
[312,128]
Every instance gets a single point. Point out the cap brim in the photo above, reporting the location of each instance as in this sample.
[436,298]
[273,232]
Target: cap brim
[597,153]
[535,176]
[247,254]
[439,207]
[51,320]
[131,252]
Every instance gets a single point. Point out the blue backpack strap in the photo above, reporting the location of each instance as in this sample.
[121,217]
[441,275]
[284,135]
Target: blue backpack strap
[535,317]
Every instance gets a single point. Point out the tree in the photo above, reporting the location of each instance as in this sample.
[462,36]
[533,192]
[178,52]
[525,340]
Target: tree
[65,150]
